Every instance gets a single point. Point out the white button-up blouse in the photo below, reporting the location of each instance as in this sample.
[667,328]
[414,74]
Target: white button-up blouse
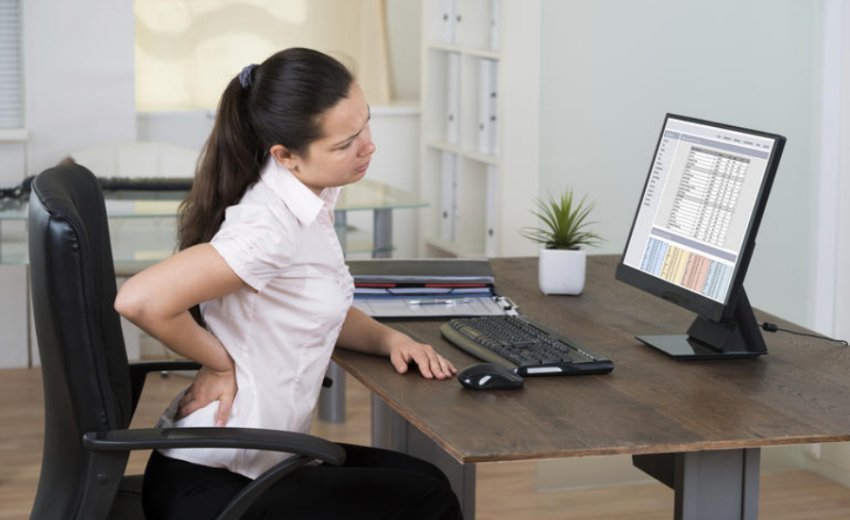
[281,327]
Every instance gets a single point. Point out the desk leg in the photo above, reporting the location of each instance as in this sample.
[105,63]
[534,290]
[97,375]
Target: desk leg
[382,233]
[709,485]
[332,400]
[391,431]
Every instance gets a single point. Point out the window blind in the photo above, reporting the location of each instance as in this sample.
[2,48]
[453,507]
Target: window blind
[11,80]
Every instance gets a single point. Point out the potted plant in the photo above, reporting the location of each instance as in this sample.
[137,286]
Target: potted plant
[562,231]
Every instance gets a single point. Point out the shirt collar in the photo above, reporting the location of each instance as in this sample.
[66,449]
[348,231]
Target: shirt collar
[300,199]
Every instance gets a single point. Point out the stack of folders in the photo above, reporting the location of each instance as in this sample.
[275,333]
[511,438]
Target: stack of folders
[438,288]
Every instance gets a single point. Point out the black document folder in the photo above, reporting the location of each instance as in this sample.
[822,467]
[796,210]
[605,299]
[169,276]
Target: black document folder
[422,272]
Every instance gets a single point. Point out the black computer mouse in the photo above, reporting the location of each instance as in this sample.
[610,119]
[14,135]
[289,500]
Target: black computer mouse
[489,376]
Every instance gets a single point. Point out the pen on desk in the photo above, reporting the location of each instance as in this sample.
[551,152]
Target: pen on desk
[438,302]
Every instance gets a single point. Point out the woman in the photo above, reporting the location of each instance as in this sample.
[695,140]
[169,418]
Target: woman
[259,256]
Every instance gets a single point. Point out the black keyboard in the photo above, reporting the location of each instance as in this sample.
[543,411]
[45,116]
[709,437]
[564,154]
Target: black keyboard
[518,343]
[145,183]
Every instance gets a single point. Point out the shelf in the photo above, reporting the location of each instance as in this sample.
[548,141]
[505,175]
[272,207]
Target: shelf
[369,195]
[466,51]
[479,145]
[466,154]
[453,249]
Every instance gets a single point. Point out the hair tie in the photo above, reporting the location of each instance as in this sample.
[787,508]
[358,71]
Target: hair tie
[245,78]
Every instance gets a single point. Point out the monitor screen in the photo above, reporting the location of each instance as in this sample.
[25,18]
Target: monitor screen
[695,226]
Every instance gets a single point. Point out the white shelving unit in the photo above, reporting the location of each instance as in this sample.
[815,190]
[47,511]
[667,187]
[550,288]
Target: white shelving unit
[480,106]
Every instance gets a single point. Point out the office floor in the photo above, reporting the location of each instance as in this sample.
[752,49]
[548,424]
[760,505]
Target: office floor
[505,490]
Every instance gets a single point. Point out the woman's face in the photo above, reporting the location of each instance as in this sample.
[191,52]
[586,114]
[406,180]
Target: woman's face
[341,156]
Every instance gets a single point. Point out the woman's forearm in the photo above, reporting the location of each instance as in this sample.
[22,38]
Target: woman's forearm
[182,334]
[159,298]
[362,333]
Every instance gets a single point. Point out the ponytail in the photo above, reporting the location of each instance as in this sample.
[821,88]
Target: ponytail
[277,102]
[229,164]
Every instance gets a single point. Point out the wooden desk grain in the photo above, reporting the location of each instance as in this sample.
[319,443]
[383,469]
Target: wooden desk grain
[651,403]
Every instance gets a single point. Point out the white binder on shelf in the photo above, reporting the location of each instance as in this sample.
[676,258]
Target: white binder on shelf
[490,211]
[493,129]
[453,98]
[487,105]
[448,197]
[447,12]
[495,24]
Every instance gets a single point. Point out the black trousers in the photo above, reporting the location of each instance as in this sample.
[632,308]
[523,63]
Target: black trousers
[372,484]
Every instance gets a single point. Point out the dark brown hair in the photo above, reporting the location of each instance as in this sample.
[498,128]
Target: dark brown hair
[279,101]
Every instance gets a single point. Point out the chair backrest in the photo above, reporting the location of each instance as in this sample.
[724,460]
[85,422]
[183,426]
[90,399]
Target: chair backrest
[84,362]
[138,159]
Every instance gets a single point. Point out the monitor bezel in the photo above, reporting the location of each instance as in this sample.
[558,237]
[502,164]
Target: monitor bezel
[702,305]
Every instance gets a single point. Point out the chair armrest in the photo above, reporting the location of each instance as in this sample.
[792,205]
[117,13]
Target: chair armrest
[249,438]
[115,443]
[159,366]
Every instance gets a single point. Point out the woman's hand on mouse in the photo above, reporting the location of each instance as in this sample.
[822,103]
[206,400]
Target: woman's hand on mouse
[405,350]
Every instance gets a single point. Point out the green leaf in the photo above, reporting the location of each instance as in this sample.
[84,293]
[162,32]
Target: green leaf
[564,223]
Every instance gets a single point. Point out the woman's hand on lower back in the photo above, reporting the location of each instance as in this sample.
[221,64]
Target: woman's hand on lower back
[210,385]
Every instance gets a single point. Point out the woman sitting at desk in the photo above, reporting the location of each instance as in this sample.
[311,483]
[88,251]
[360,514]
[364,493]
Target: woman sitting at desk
[259,255]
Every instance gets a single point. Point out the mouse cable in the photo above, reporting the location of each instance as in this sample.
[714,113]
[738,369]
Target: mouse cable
[772,327]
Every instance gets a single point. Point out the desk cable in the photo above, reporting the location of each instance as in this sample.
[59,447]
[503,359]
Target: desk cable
[772,327]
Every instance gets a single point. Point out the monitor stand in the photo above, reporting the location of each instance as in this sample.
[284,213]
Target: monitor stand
[707,339]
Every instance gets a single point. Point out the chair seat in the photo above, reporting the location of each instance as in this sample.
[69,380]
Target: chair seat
[128,501]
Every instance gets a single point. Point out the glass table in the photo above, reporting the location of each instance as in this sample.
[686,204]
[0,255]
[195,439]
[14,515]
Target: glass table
[142,224]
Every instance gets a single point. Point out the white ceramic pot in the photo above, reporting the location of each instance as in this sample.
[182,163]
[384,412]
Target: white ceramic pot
[562,271]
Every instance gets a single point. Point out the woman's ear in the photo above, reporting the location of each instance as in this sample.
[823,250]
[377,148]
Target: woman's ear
[284,157]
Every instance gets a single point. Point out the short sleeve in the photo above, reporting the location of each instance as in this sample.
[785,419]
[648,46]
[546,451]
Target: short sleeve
[256,242]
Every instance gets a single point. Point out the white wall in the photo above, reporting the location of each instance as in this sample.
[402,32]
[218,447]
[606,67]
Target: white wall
[189,128]
[78,68]
[78,90]
[403,36]
[610,71]
[832,282]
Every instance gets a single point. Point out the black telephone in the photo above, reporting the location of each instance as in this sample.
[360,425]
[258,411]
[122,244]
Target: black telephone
[19,192]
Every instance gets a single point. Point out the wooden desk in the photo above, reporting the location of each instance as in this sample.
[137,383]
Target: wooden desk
[696,426]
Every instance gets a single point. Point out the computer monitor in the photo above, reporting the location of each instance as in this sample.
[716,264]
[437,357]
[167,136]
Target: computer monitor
[694,232]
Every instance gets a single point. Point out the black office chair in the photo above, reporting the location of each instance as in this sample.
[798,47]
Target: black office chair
[90,389]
